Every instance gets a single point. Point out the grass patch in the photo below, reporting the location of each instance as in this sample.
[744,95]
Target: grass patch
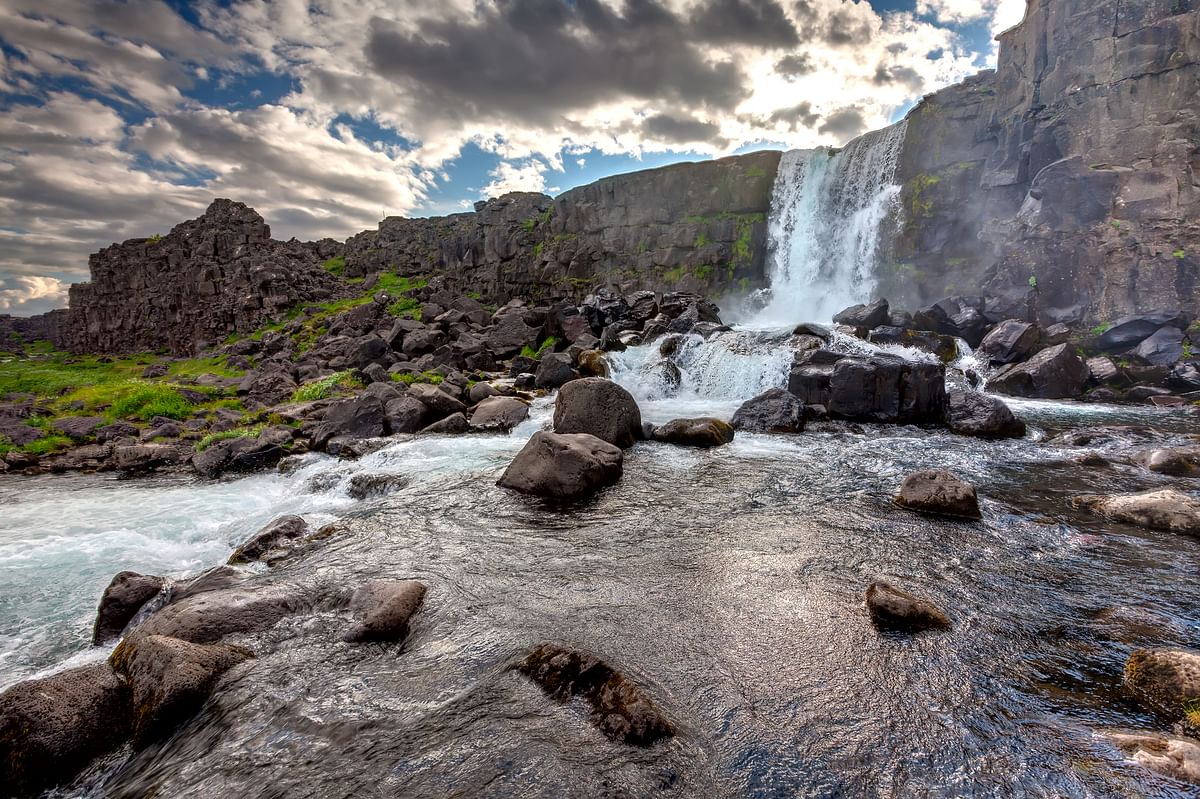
[1179,254]
[195,367]
[546,346]
[1101,329]
[335,265]
[139,400]
[48,445]
[326,386]
[421,377]
[225,435]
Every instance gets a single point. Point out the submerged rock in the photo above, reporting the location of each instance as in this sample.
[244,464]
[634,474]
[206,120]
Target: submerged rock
[280,532]
[563,466]
[52,727]
[215,606]
[700,432]
[121,601]
[892,608]
[973,413]
[940,492]
[1166,681]
[774,411]
[619,708]
[1163,509]
[375,484]
[600,408]
[171,679]
[386,607]
[1172,756]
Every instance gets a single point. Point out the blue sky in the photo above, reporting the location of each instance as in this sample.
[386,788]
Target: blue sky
[119,119]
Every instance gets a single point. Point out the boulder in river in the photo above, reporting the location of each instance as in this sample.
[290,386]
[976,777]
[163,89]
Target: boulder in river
[703,431]
[50,728]
[619,708]
[439,402]
[1175,461]
[360,417]
[386,606]
[121,601]
[563,466]
[1010,341]
[280,532]
[1162,509]
[973,413]
[555,370]
[1169,755]
[1054,373]
[776,410]
[365,485]
[939,492]
[600,408]
[1165,680]
[499,413]
[453,424]
[892,608]
[171,679]
[864,316]
[214,605]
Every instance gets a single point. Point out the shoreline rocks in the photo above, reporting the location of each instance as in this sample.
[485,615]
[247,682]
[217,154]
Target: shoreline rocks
[122,599]
[1163,509]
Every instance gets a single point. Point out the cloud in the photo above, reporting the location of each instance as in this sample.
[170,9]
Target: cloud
[798,116]
[793,66]
[760,23]
[508,177]
[681,129]
[955,11]
[27,294]
[845,123]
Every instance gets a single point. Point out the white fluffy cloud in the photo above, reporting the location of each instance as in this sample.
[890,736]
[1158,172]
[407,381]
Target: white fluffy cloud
[25,291]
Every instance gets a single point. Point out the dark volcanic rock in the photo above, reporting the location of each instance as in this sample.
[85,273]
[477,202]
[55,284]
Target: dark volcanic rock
[1009,341]
[405,415]
[599,407]
[939,492]
[361,417]
[121,601]
[563,466]
[439,402]
[386,606]
[1163,348]
[372,484]
[78,428]
[555,370]
[774,411]
[50,728]
[619,708]
[1054,373]
[699,432]
[865,316]
[892,608]
[499,413]
[880,388]
[1132,330]
[973,413]
[280,532]
[453,424]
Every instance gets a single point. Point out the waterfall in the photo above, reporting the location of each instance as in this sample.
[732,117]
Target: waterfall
[826,212]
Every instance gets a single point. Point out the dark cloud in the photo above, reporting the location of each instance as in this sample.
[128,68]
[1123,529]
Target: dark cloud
[760,23]
[907,77]
[849,24]
[845,123]
[795,65]
[535,60]
[682,129]
[798,116]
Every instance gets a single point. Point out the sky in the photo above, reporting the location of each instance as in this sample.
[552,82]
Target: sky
[120,119]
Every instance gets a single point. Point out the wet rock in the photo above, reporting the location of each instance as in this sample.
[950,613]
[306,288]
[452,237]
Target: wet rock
[205,611]
[1103,370]
[278,533]
[1132,624]
[865,316]
[555,370]
[440,403]
[774,411]
[892,608]
[360,417]
[973,413]
[511,334]
[115,432]
[592,363]
[600,408]
[52,727]
[1009,341]
[454,424]
[245,454]
[939,492]
[1166,681]
[1175,461]
[1130,331]
[499,413]
[121,601]
[563,466]
[171,679]
[481,391]
[363,486]
[943,346]
[1163,348]
[619,708]
[699,432]
[134,458]
[1054,373]
[1171,756]
[663,379]
[885,389]
[1163,509]
[386,606]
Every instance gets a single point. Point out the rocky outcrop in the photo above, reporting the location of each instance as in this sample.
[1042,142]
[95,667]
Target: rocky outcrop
[879,388]
[122,599]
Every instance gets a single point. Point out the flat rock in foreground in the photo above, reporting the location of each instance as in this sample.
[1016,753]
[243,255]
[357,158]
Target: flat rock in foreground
[563,466]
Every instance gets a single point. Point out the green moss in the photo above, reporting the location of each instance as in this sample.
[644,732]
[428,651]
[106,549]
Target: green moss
[139,400]
[1180,254]
[756,172]
[155,239]
[674,275]
[920,204]
[335,265]
[1100,329]
[225,435]
[528,225]
[194,367]
[546,346]
[537,249]
[1032,281]
[326,386]
[703,240]
[421,377]
[47,445]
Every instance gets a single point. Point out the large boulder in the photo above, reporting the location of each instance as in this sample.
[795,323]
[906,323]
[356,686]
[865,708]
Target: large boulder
[704,431]
[386,606]
[499,413]
[619,708]
[1165,680]
[865,316]
[121,601]
[563,466]
[1162,348]
[555,370]
[50,728]
[892,608]
[78,428]
[206,616]
[1132,330]
[244,454]
[973,413]
[1163,509]
[280,533]
[357,418]
[600,408]
[1054,373]
[405,415]
[511,334]
[171,679]
[1009,341]
[774,411]
[938,492]
[888,389]
[440,403]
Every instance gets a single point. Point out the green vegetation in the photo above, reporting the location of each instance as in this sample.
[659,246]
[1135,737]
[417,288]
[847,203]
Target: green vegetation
[326,386]
[1180,254]
[920,205]
[422,377]
[546,346]
[225,435]
[703,240]
[155,239]
[528,225]
[335,265]
[1033,281]
[1116,223]
[756,172]
[1100,329]
[537,249]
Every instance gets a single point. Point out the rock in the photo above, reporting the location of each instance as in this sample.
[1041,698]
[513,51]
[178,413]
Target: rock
[865,316]
[1185,377]
[454,424]
[135,458]
[1132,330]
[1162,509]
[940,492]
[1054,373]
[481,391]
[1171,756]
[239,455]
[699,432]
[555,370]
[405,415]
[79,428]
[600,408]
[511,334]
[973,413]
[1175,461]
[1102,370]
[115,432]
[357,418]
[386,607]
[774,411]
[592,363]
[1166,681]
[891,608]
[18,432]
[364,485]
[1163,348]
[121,601]
[880,388]
[214,605]
[943,346]
[499,413]
[439,403]
[563,466]
[269,386]
[1010,341]
[971,325]
[171,679]
[280,532]
[50,728]
[619,708]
